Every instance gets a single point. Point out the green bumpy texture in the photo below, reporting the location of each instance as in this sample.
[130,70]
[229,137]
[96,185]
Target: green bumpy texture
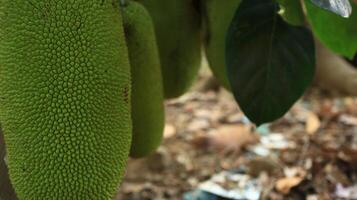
[177,25]
[147,90]
[64,97]
[218,17]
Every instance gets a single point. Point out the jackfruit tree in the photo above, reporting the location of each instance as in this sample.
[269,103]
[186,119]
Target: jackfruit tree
[83,82]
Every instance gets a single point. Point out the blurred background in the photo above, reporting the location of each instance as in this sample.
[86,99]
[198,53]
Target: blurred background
[211,151]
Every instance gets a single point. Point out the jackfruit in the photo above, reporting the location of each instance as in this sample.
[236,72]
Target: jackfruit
[147,91]
[177,26]
[217,17]
[64,97]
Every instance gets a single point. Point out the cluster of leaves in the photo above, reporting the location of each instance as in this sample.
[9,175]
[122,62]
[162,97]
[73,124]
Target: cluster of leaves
[270,53]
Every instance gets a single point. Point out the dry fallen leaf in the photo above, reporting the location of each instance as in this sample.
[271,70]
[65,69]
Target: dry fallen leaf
[227,139]
[312,123]
[284,185]
[232,138]
[169,130]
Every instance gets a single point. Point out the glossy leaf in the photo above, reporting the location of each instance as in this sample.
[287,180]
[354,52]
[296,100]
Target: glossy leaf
[337,33]
[340,7]
[270,63]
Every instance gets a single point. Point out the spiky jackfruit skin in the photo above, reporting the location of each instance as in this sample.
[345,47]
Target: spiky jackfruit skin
[177,24]
[64,97]
[147,91]
[218,15]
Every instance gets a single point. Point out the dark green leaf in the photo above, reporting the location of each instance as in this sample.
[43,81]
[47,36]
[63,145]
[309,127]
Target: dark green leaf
[340,7]
[270,63]
[337,33]
[293,12]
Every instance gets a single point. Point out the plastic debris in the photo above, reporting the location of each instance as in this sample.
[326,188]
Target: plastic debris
[233,186]
[263,129]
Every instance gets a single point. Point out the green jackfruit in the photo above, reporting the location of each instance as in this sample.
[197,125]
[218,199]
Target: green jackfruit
[218,16]
[64,97]
[177,25]
[147,91]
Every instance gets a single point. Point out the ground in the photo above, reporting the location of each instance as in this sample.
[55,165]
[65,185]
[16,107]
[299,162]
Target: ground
[311,153]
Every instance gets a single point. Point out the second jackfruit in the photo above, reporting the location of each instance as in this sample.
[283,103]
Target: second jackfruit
[218,17]
[147,91]
[177,25]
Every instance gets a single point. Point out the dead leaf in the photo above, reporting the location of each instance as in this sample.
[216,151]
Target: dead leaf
[169,130]
[312,123]
[232,138]
[284,185]
[227,139]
